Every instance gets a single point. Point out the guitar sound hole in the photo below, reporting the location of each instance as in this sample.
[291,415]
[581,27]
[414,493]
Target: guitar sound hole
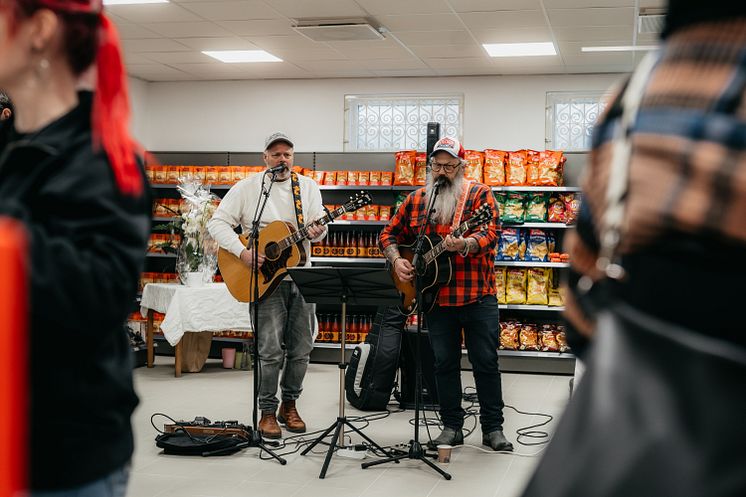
[272,251]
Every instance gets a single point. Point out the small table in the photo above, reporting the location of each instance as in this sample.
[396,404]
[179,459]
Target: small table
[188,309]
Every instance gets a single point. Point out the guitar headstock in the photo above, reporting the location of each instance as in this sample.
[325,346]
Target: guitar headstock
[483,215]
[357,201]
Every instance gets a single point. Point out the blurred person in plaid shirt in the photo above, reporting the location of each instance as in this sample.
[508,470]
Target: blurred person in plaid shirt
[467,302]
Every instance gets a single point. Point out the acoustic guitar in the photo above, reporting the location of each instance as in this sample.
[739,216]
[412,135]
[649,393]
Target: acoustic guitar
[436,270]
[282,247]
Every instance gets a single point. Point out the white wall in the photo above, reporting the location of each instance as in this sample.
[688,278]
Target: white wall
[139,104]
[504,112]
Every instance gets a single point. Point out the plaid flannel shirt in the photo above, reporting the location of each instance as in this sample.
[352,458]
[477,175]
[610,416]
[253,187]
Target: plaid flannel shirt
[473,275]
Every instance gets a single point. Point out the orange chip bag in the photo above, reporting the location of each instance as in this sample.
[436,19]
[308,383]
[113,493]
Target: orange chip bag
[363,178]
[494,167]
[150,174]
[509,335]
[474,165]
[375,178]
[532,167]
[318,177]
[387,178]
[420,169]
[330,178]
[550,168]
[211,174]
[173,173]
[404,170]
[529,337]
[353,177]
[342,178]
[384,213]
[515,169]
[225,175]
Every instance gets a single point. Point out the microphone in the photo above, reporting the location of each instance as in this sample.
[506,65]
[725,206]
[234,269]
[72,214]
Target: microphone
[439,182]
[277,169]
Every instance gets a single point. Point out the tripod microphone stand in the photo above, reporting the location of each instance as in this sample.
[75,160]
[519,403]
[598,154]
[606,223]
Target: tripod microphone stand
[415,446]
[256,439]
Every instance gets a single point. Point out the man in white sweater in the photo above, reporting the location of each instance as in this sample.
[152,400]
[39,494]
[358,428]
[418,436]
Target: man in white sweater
[286,321]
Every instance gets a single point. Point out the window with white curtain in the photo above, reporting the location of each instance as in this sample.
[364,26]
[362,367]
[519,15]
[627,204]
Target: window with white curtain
[570,119]
[386,123]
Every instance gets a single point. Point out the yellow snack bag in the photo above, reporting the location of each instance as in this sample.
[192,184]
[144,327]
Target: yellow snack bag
[500,284]
[538,285]
[515,286]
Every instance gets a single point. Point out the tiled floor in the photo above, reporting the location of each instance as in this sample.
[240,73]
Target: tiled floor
[222,394]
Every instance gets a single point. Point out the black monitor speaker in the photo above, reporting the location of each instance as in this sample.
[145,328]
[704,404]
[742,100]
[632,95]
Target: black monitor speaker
[433,135]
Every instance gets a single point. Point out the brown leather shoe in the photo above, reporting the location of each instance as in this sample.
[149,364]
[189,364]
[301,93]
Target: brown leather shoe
[290,418]
[268,426]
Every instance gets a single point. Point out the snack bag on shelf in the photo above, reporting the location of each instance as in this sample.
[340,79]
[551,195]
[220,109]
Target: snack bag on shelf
[532,167]
[384,212]
[237,173]
[561,337]
[529,337]
[509,331]
[537,249]
[159,207]
[211,174]
[330,178]
[494,167]
[515,286]
[342,178]
[536,208]
[375,178]
[555,298]
[400,198]
[551,241]
[353,177]
[500,198]
[363,178]
[556,211]
[537,287]
[548,338]
[224,175]
[572,207]
[361,214]
[500,284]
[160,174]
[474,165]
[515,169]
[173,173]
[150,173]
[514,209]
[509,245]
[371,212]
[387,178]
[420,169]
[404,169]
[551,168]
[318,177]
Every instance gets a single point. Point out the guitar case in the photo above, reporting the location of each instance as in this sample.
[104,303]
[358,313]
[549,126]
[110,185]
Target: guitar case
[371,373]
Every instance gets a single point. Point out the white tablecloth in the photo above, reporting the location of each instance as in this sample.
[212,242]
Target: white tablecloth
[192,309]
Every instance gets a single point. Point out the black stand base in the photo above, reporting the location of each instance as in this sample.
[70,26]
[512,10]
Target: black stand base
[255,440]
[415,452]
[337,427]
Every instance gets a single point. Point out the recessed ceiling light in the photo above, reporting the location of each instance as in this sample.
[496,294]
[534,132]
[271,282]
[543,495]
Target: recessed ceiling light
[519,49]
[237,56]
[620,48]
[132,2]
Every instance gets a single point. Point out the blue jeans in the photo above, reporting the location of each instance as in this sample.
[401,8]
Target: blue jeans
[285,329]
[111,485]
[480,321]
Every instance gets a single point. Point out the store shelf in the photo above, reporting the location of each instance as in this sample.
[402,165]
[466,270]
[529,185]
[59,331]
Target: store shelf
[539,225]
[406,188]
[557,265]
[535,189]
[349,260]
[532,353]
[163,256]
[358,223]
[164,219]
[172,186]
[529,307]
[336,346]
[356,187]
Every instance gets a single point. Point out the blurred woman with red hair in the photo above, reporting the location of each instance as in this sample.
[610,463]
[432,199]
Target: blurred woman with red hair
[72,174]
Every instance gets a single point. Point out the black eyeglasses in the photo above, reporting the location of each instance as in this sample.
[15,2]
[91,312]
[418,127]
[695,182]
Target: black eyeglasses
[449,168]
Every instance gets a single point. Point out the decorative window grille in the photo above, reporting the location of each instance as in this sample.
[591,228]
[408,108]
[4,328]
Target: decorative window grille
[385,123]
[570,119]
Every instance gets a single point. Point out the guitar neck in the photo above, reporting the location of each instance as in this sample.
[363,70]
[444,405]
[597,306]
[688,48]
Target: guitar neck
[301,234]
[441,246]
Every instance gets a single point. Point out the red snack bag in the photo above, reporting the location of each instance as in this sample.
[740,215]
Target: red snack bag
[515,169]
[363,178]
[556,210]
[375,178]
[529,337]
[548,338]
[353,177]
[509,331]
[387,178]
[494,167]
[342,178]
[474,165]
[420,169]
[330,178]
[404,170]
[572,207]
[318,177]
[384,213]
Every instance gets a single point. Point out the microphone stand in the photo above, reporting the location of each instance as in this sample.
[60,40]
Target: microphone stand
[256,439]
[415,447]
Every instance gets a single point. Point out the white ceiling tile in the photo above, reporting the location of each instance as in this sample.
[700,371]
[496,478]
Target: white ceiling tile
[513,35]
[421,22]
[534,70]
[284,41]
[135,58]
[375,49]
[155,45]
[528,62]
[332,65]
[205,69]
[274,71]
[317,8]
[598,68]
[242,10]
[147,71]
[492,5]
[399,73]
[459,63]
[296,54]
[258,28]
[171,58]
[393,7]
[584,4]
[395,65]
[599,58]
[504,19]
[593,34]
[473,71]
[344,73]
[130,31]
[574,49]
[424,38]
[224,43]
[591,17]
[472,50]
[156,12]
[188,29]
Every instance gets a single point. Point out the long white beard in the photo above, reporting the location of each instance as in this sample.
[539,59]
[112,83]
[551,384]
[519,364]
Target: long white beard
[448,197]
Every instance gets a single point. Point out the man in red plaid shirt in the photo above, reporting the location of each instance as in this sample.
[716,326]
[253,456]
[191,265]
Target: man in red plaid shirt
[468,302]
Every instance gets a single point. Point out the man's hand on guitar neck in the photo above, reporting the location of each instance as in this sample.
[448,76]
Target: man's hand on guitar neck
[315,231]
[247,257]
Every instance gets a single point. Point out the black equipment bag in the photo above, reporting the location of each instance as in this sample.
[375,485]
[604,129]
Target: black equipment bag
[371,373]
[181,443]
[660,410]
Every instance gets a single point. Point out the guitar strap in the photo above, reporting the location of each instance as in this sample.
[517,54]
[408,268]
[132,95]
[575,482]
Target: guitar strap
[466,187]
[296,200]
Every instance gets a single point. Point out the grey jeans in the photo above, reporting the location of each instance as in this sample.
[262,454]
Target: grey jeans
[285,334]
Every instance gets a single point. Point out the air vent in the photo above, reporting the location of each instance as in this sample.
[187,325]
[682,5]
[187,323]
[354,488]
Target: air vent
[337,30]
[651,20]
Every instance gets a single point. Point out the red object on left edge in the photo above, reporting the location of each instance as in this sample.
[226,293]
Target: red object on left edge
[13,360]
